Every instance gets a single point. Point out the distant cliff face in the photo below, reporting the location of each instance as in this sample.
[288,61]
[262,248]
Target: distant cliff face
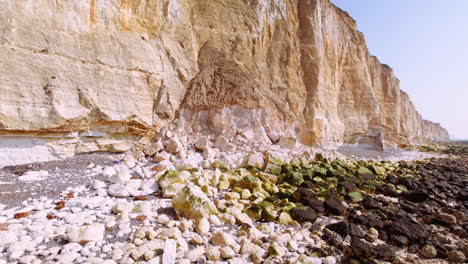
[127,67]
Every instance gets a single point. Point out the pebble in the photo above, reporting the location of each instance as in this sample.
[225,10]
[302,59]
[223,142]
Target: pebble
[227,252]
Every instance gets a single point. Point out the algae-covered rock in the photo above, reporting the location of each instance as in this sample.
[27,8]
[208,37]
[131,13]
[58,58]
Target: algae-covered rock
[269,212]
[293,178]
[363,171]
[356,196]
[276,250]
[376,170]
[285,218]
[193,203]
[172,181]
[255,212]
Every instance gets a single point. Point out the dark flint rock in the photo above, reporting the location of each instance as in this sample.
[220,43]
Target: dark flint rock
[356,230]
[416,196]
[384,252]
[370,203]
[367,177]
[389,191]
[408,183]
[348,186]
[361,248]
[334,206]
[413,248]
[408,207]
[399,240]
[391,179]
[302,192]
[340,228]
[373,221]
[405,227]
[315,204]
[360,219]
[308,185]
[303,213]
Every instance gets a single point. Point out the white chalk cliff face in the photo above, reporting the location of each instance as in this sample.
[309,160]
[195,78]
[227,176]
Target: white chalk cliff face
[129,67]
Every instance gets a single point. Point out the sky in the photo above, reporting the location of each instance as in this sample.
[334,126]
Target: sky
[426,44]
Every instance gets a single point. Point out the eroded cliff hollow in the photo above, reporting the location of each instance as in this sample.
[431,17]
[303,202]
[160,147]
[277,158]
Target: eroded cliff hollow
[127,67]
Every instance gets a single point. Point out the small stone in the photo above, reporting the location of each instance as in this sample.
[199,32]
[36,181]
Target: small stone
[303,213]
[202,226]
[456,256]
[197,240]
[96,184]
[276,250]
[193,203]
[428,251]
[356,196]
[203,144]
[86,234]
[334,206]
[173,146]
[372,234]
[245,194]
[329,260]
[447,219]
[194,254]
[170,252]
[227,252]
[212,253]
[223,239]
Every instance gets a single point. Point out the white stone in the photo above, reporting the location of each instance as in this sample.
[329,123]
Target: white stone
[194,254]
[118,190]
[223,239]
[170,253]
[7,237]
[329,260]
[85,234]
[256,160]
[173,146]
[162,156]
[227,252]
[124,207]
[34,176]
[202,226]
[97,184]
[203,143]
[122,176]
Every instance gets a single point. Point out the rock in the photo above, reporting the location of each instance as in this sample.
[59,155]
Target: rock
[162,156]
[170,253]
[227,252]
[370,203]
[315,204]
[303,213]
[172,181]
[85,234]
[267,210]
[334,206]
[372,234]
[194,254]
[405,227]
[340,228]
[223,144]
[360,248]
[118,190]
[329,260]
[193,203]
[34,176]
[416,196]
[96,184]
[356,196]
[276,250]
[7,237]
[456,256]
[384,252]
[173,146]
[256,160]
[446,219]
[212,253]
[287,142]
[202,226]
[293,178]
[223,239]
[428,251]
[273,136]
[153,148]
[203,144]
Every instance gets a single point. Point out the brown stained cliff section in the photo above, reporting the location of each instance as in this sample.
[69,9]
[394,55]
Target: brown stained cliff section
[92,13]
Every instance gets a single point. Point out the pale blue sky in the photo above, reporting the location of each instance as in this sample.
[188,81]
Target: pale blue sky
[426,44]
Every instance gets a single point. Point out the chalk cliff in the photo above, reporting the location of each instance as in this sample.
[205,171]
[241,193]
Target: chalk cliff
[127,67]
